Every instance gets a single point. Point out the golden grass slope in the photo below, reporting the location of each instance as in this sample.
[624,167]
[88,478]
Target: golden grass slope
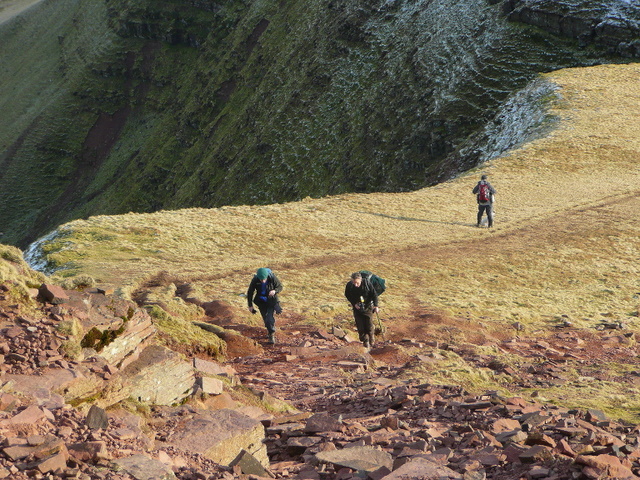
[566,239]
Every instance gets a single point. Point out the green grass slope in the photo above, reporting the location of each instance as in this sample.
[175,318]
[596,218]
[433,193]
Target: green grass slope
[139,105]
[46,52]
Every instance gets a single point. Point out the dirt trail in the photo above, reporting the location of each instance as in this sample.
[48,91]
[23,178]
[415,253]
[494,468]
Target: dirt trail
[305,355]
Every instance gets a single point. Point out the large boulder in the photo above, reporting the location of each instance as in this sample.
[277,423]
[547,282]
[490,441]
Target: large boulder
[53,294]
[221,436]
[114,328]
[159,376]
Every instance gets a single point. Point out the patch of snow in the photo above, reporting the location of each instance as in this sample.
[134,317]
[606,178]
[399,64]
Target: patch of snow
[35,256]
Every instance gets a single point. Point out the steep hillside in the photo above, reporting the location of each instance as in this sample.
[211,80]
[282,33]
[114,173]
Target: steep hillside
[47,53]
[119,106]
[563,253]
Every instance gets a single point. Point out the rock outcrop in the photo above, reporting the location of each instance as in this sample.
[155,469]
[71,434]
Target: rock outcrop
[158,377]
[615,25]
[94,350]
[116,329]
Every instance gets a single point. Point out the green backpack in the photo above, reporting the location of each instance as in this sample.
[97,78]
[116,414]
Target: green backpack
[379,283]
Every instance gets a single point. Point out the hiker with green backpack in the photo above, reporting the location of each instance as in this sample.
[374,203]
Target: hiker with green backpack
[363,298]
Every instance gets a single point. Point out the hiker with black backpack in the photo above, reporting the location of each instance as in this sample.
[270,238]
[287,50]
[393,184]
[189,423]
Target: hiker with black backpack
[364,301]
[263,291]
[484,195]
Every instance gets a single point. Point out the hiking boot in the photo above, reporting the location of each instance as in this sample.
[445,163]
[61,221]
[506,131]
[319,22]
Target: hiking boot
[366,343]
[272,339]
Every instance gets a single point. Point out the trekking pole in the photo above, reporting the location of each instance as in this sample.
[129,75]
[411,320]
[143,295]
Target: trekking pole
[381,326]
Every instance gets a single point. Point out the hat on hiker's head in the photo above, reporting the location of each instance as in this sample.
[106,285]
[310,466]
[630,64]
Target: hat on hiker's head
[483,177]
[262,273]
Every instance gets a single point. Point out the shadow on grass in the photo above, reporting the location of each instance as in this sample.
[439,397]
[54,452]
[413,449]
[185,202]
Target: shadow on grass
[409,219]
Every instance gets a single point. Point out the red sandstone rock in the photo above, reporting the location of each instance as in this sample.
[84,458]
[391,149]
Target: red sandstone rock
[53,293]
[89,451]
[505,425]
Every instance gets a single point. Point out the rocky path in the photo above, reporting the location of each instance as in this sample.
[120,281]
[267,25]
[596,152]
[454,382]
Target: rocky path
[322,407]
[359,403]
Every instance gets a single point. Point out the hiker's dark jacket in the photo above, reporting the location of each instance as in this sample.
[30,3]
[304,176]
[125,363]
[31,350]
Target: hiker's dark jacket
[254,289]
[476,189]
[365,290]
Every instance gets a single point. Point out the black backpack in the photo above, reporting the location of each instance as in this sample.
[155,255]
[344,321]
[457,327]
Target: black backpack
[379,283]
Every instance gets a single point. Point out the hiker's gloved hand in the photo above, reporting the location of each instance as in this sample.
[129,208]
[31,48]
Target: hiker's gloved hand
[272,293]
[376,309]
[357,306]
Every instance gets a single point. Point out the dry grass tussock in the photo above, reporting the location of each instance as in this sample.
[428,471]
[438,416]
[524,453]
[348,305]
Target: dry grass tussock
[565,240]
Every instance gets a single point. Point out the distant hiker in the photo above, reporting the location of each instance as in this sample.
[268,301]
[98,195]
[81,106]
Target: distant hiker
[364,301]
[263,291]
[484,195]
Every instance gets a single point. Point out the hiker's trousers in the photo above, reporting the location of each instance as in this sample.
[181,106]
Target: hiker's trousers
[267,316]
[364,324]
[488,208]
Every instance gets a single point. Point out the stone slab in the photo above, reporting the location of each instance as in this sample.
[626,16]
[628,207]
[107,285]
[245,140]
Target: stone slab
[422,469]
[159,377]
[366,459]
[142,467]
[211,386]
[221,436]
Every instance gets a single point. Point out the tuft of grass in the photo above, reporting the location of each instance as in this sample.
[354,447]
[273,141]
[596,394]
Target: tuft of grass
[98,339]
[72,347]
[71,327]
[454,370]
[251,397]
[186,334]
[77,282]
[19,278]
